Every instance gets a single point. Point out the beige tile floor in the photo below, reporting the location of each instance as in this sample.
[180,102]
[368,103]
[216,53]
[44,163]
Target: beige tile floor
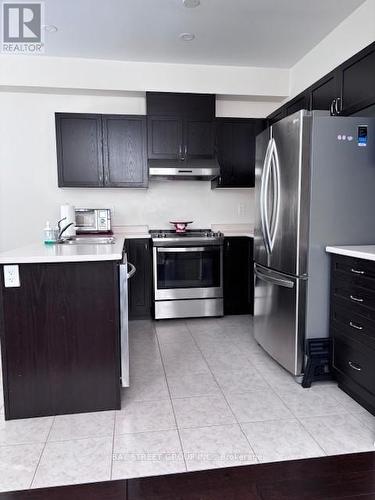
[203,394]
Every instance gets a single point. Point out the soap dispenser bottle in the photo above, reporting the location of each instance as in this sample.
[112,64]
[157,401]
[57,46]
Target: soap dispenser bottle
[49,234]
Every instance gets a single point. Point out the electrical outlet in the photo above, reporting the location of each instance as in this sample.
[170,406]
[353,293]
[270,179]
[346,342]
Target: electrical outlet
[241,209]
[12,276]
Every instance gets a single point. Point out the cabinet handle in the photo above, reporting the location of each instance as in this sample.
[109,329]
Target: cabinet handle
[337,107]
[186,151]
[356,271]
[356,327]
[180,152]
[355,299]
[332,107]
[354,366]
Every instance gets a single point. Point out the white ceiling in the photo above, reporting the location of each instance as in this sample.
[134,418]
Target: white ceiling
[265,33]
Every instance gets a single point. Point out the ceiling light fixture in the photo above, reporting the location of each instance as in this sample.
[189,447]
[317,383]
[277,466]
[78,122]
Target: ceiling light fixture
[50,28]
[191,4]
[187,37]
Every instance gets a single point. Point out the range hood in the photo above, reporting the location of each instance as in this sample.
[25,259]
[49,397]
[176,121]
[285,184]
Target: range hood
[201,170]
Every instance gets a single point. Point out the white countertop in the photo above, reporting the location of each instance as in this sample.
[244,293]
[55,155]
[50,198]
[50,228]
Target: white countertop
[366,252]
[235,229]
[42,253]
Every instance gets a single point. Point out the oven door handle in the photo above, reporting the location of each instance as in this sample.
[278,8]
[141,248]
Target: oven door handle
[185,249]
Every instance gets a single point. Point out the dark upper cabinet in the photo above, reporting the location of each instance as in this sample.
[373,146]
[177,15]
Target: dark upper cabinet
[276,116]
[325,92]
[235,146]
[79,150]
[140,285]
[180,126]
[302,101]
[199,139]
[101,150]
[358,81]
[347,90]
[124,149]
[238,275]
[164,137]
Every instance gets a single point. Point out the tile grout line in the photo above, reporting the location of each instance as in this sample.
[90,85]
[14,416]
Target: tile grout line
[170,396]
[41,453]
[284,403]
[223,394]
[293,414]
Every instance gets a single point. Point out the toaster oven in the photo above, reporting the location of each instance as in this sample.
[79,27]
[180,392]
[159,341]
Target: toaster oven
[93,220]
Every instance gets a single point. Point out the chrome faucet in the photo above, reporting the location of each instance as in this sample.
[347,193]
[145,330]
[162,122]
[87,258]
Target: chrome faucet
[62,230]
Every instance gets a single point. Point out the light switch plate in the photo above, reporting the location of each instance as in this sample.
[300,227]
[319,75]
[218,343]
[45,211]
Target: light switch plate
[11,276]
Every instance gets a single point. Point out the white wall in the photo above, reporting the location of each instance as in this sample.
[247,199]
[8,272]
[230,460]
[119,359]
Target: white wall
[352,35]
[75,73]
[28,174]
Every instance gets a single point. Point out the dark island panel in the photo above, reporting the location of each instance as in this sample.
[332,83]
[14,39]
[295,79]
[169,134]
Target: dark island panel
[60,339]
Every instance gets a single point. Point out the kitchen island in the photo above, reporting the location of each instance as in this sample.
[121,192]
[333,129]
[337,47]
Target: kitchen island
[60,328]
[352,321]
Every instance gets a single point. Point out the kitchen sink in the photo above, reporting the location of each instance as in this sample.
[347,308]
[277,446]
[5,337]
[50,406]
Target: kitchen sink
[89,240]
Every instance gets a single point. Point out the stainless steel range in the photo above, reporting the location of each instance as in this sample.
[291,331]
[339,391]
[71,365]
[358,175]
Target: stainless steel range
[188,273]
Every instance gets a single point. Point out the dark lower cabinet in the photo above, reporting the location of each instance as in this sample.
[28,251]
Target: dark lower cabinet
[238,275]
[60,339]
[352,327]
[235,146]
[101,150]
[139,253]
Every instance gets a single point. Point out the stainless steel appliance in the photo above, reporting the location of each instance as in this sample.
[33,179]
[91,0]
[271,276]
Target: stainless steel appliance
[127,270]
[188,273]
[315,185]
[93,220]
[190,169]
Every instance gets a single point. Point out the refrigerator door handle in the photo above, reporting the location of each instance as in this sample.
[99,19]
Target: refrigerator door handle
[275,164]
[263,197]
[269,278]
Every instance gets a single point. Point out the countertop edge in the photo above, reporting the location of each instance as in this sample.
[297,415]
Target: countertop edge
[359,254]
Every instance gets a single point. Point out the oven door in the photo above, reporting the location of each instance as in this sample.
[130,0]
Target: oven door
[188,272]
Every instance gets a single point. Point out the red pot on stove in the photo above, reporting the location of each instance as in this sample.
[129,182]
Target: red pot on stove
[180,226]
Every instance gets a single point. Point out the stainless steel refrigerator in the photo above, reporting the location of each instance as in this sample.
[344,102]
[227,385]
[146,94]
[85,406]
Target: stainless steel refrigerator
[315,186]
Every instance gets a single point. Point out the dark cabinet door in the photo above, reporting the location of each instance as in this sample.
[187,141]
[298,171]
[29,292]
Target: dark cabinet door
[300,102]
[140,285]
[79,150]
[180,126]
[358,81]
[165,103]
[60,339]
[277,115]
[238,275]
[200,106]
[124,148]
[199,139]
[165,137]
[324,93]
[235,145]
